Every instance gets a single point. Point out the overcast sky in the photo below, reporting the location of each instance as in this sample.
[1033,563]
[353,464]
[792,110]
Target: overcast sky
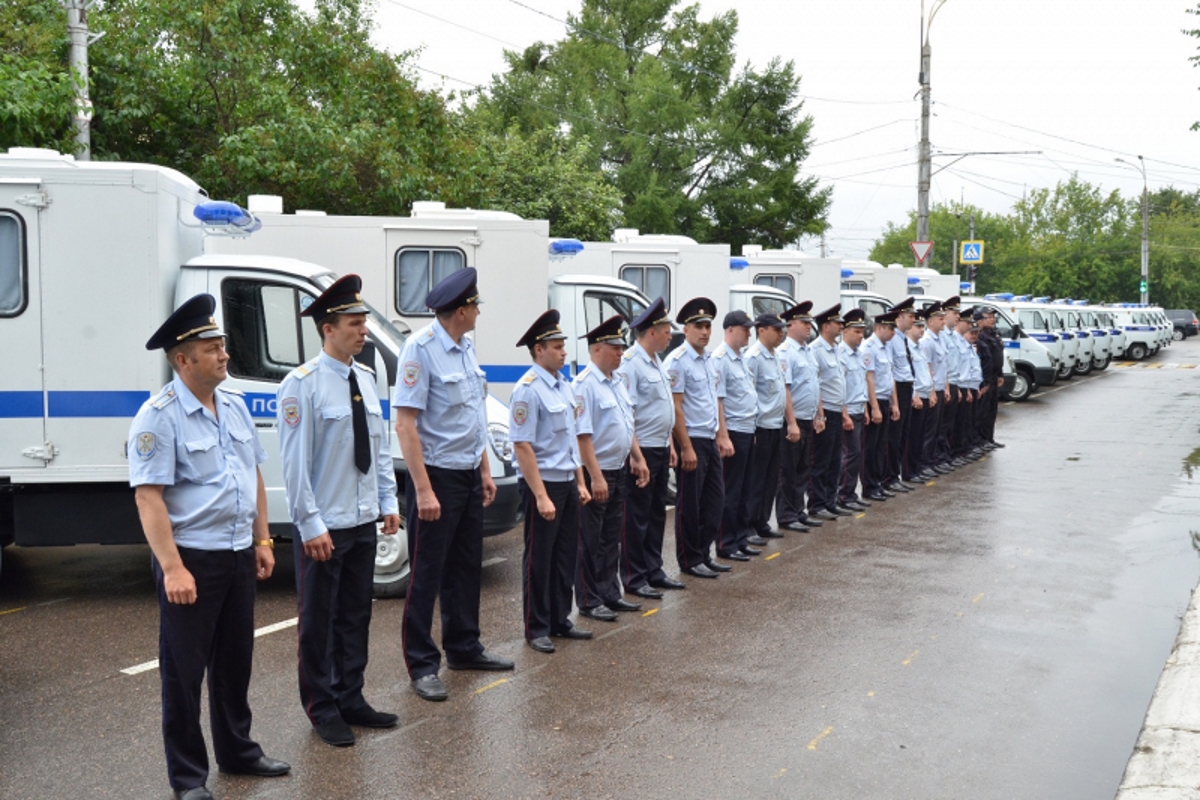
[1083,81]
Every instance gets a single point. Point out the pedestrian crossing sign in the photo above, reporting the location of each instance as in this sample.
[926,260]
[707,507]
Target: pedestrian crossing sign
[970,252]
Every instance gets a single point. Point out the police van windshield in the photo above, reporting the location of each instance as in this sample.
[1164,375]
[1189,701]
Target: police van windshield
[1056,322]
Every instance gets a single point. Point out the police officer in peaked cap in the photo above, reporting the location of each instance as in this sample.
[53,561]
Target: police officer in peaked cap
[796,460]
[827,447]
[193,460]
[900,350]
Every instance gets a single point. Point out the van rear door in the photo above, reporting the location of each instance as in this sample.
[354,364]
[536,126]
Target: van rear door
[22,396]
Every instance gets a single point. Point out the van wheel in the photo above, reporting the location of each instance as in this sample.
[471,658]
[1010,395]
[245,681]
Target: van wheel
[392,568]
[1022,386]
[1082,368]
[1103,363]
[1065,371]
[1136,351]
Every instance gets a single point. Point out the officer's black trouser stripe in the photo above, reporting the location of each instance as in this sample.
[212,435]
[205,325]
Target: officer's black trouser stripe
[764,479]
[701,498]
[794,473]
[736,510]
[827,462]
[600,524]
[445,558]
[645,522]
[549,560]
[875,453]
[214,634]
[898,433]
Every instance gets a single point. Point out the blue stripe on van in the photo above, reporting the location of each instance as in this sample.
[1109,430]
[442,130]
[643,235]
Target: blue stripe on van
[505,373]
[1010,345]
[96,404]
[19,405]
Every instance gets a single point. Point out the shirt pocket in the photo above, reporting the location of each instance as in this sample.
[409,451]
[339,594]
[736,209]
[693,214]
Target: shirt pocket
[375,421]
[559,416]
[204,458]
[457,391]
[336,423]
[658,387]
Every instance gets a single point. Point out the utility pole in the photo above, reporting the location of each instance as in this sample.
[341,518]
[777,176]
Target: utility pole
[77,30]
[822,244]
[1144,286]
[924,157]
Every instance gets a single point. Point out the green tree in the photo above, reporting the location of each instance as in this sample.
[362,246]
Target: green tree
[1195,34]
[692,146]
[35,84]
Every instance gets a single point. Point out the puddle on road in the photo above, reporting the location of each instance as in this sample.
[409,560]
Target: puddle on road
[1191,463]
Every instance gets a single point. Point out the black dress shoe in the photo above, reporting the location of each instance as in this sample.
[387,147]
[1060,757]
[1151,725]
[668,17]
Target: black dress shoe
[854,507]
[484,661]
[367,717]
[925,477]
[335,732]
[750,551]
[878,497]
[798,527]
[542,644]
[942,469]
[770,533]
[736,556]
[812,523]
[838,511]
[756,540]
[195,793]
[623,605]
[821,515]
[715,567]
[899,488]
[958,462]
[430,687]
[602,613]
[648,592]
[668,583]
[579,634]
[887,492]
[701,571]
[998,444]
[860,501]
[265,767]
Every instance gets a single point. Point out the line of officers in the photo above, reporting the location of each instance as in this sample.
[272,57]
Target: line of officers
[775,424]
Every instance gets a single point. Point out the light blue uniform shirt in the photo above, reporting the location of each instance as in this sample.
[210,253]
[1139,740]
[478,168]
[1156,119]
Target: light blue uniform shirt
[209,465]
[735,388]
[831,373]
[766,370]
[962,350]
[878,360]
[953,356]
[935,351]
[801,376]
[856,377]
[922,377]
[900,366]
[974,368]
[542,412]
[325,490]
[443,381]
[603,412]
[650,395]
[691,377]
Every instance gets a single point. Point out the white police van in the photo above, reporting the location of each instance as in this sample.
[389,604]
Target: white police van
[1101,334]
[1035,366]
[1142,335]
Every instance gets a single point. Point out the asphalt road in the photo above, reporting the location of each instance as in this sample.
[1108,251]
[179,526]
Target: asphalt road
[997,634]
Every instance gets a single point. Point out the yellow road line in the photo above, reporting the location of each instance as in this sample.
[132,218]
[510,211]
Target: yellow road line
[909,660]
[13,610]
[773,555]
[651,611]
[491,685]
[860,515]
[813,744]
[978,597]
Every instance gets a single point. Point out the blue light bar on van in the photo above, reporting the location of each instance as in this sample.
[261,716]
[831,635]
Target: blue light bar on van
[1041,299]
[565,247]
[913,280]
[737,262]
[964,286]
[1080,302]
[847,273]
[1022,298]
[1000,296]
[223,214]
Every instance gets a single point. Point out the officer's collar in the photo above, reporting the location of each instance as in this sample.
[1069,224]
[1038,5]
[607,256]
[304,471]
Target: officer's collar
[341,368]
[547,376]
[189,401]
[444,339]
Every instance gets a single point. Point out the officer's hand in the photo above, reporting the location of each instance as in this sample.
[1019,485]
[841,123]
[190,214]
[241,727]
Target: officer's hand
[793,434]
[585,496]
[180,586]
[933,399]
[428,507]
[946,396]
[725,447]
[970,397]
[489,490]
[895,412]
[319,548]
[847,423]
[391,524]
[1001,383]
[545,507]
[599,489]
[673,458]
[641,474]
[689,460]
[819,425]
[264,561]
[917,404]
[876,415]
[983,391]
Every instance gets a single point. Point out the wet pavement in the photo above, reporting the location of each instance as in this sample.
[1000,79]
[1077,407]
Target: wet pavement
[997,634]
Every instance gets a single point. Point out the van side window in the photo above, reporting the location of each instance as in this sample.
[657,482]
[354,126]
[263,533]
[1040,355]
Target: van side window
[916,290]
[12,265]
[599,306]
[854,286]
[267,337]
[872,308]
[783,283]
[769,305]
[651,280]
[419,269]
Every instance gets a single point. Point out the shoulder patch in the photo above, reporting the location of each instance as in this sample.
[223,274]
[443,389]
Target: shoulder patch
[520,412]
[231,390]
[583,373]
[411,373]
[754,349]
[290,408]
[146,445]
[165,398]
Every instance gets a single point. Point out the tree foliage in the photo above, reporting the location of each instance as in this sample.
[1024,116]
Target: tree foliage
[1195,34]
[35,83]
[693,145]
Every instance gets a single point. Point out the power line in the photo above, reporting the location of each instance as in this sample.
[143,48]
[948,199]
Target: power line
[860,133]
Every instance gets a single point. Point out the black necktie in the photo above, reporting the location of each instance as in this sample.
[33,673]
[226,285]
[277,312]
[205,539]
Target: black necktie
[362,440]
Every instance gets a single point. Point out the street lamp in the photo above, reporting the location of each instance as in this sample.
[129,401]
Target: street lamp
[924,160]
[1145,286]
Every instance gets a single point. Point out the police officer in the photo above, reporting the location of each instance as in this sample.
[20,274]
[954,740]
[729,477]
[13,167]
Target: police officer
[700,486]
[977,385]
[900,349]
[881,387]
[991,359]
[949,415]
[737,406]
[934,348]
[609,451]
[960,379]
[441,425]
[827,447]
[775,422]
[653,420]
[193,460]
[923,400]
[551,482]
[796,461]
[854,419]
[337,469]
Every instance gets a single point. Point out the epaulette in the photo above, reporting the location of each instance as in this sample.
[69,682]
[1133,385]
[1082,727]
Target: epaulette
[529,376]
[307,368]
[424,336]
[754,349]
[364,367]
[583,373]
[231,390]
[787,341]
[628,354]
[720,351]
[165,398]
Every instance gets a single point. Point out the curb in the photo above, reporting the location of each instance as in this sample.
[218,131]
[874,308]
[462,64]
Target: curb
[1166,759]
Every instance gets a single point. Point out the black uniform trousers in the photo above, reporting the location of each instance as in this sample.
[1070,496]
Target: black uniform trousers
[914,449]
[445,558]
[214,634]
[548,565]
[962,416]
[794,472]
[699,502]
[736,511]
[599,548]
[875,453]
[933,426]
[764,478]
[991,407]
[852,460]
[645,522]
[978,410]
[827,463]
[335,621]
[898,433]
[946,427]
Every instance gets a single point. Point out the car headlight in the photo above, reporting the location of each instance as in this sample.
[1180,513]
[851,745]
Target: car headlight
[498,433]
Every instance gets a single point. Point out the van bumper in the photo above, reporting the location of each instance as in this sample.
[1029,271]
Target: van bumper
[1045,376]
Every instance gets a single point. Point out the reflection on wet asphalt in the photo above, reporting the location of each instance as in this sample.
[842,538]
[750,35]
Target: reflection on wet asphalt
[995,635]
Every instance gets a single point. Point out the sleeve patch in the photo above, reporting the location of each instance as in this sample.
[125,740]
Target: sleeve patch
[412,372]
[146,444]
[520,412]
[675,377]
[291,411]
[578,406]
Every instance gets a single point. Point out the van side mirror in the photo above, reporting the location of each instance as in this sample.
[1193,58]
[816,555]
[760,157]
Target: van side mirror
[1017,332]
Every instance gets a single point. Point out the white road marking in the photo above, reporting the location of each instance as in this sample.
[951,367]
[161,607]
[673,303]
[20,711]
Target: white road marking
[146,666]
